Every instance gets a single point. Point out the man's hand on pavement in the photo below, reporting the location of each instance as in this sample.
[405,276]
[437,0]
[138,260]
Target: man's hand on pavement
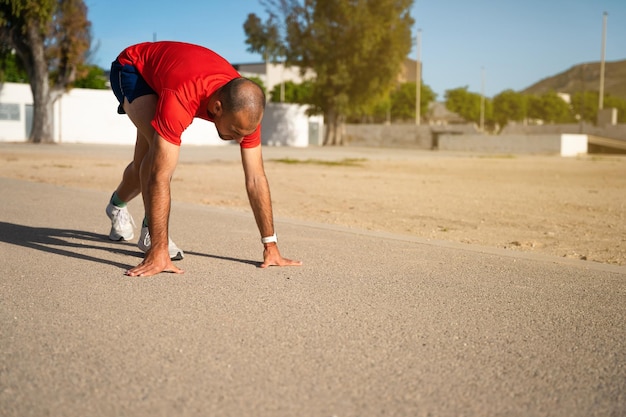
[154,263]
[272,257]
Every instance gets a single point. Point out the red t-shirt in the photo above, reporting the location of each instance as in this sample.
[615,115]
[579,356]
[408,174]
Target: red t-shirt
[184,76]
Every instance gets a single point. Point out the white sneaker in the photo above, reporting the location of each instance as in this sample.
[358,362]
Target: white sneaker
[122,223]
[176,254]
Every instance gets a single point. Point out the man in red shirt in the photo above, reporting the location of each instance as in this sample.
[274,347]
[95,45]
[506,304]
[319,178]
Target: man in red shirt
[162,86]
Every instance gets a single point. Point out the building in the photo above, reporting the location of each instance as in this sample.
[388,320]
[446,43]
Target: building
[273,74]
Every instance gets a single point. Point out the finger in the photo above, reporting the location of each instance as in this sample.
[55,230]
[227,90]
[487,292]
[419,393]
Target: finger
[143,270]
[174,270]
[281,262]
[136,271]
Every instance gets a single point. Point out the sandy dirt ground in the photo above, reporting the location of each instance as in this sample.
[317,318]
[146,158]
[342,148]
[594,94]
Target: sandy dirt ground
[566,207]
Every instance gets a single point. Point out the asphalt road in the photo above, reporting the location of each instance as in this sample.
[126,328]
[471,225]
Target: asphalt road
[370,325]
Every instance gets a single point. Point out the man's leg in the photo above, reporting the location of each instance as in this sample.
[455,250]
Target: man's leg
[130,186]
[141,112]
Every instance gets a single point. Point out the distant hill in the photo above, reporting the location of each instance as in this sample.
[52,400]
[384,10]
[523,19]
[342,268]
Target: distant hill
[585,77]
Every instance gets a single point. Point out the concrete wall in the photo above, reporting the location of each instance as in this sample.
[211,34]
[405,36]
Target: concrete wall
[617,131]
[90,116]
[402,135]
[564,145]
[399,135]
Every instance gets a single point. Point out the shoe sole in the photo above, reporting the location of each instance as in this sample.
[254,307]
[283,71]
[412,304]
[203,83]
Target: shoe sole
[179,255]
[117,238]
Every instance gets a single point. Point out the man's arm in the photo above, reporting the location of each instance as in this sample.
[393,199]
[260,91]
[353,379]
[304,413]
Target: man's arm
[156,172]
[261,203]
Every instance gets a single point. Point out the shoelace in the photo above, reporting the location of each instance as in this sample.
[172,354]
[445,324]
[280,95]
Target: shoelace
[122,217]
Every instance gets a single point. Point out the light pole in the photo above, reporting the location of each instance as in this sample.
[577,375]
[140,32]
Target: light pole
[601,99]
[482,100]
[418,78]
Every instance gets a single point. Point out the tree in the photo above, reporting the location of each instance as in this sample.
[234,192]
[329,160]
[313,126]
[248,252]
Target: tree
[355,47]
[463,102]
[50,38]
[509,106]
[585,105]
[550,108]
[470,106]
[264,38]
[403,100]
[619,104]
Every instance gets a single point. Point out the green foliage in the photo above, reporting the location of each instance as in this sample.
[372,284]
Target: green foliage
[550,108]
[92,77]
[619,104]
[264,38]
[463,102]
[585,105]
[396,106]
[471,106]
[404,97]
[293,93]
[11,68]
[509,106]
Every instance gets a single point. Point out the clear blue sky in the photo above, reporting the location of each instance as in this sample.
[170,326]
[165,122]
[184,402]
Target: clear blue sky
[514,43]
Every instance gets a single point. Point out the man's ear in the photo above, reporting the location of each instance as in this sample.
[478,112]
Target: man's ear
[217,107]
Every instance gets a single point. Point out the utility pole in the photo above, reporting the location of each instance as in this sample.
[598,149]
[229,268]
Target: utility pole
[601,99]
[418,78]
[482,100]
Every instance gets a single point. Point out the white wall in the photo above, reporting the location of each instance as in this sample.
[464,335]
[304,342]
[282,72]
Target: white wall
[90,116]
[572,145]
[10,93]
[285,125]
[557,144]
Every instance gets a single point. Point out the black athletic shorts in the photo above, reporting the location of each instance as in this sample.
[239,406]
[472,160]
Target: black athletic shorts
[127,82]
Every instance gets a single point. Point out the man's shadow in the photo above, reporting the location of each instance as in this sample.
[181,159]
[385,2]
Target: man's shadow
[70,243]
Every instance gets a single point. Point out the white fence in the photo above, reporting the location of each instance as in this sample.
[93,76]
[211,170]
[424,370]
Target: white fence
[90,116]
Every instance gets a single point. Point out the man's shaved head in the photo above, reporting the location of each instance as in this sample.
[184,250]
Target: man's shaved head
[242,94]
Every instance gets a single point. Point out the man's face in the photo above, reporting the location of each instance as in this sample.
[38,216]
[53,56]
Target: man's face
[234,126]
